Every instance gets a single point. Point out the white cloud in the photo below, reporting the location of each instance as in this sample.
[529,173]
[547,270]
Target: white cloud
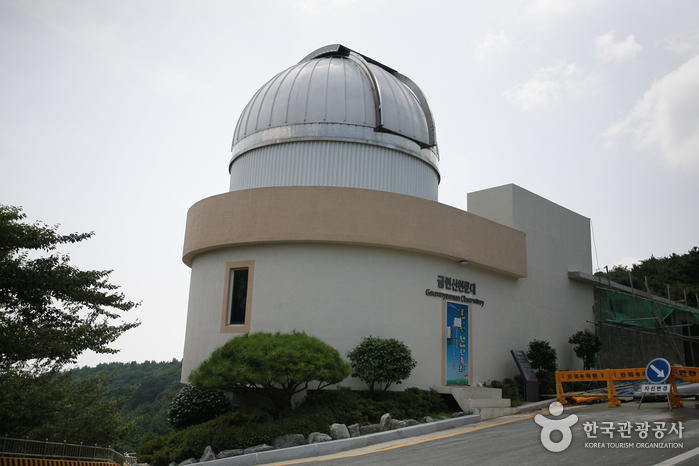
[682,43]
[318,7]
[608,50]
[666,118]
[552,84]
[492,44]
[549,10]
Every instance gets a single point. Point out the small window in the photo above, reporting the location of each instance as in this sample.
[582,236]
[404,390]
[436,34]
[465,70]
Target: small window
[237,301]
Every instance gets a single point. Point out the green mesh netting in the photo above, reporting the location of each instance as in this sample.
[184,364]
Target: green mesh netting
[615,306]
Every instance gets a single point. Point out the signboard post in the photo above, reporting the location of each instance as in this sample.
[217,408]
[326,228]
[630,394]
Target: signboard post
[657,372]
[531,383]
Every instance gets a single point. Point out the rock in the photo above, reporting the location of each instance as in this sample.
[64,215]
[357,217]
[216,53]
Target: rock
[188,461]
[354,430]
[229,453]
[385,422]
[171,464]
[427,419]
[317,437]
[258,449]
[396,424]
[208,455]
[339,431]
[411,422]
[443,418]
[459,414]
[291,440]
[370,429]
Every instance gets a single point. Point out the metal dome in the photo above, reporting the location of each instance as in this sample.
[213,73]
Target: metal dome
[337,95]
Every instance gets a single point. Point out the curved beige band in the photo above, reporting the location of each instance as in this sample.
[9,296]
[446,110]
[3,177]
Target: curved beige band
[352,216]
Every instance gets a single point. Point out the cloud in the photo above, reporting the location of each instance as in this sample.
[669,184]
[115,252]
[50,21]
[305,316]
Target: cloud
[548,10]
[666,118]
[551,85]
[492,44]
[608,50]
[318,7]
[682,43]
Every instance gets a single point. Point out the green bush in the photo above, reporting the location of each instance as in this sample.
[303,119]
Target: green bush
[194,405]
[381,362]
[271,367]
[318,411]
[586,346]
[541,356]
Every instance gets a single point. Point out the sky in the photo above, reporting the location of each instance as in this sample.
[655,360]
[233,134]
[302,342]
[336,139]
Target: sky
[117,116]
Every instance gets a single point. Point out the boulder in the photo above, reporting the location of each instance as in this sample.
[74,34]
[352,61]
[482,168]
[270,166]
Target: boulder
[385,422]
[427,419]
[370,429]
[458,414]
[396,424]
[354,430]
[291,440]
[339,431]
[258,449]
[208,455]
[188,461]
[229,453]
[411,422]
[317,437]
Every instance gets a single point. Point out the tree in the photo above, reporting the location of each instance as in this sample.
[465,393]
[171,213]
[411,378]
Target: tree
[50,312]
[541,356]
[271,368]
[381,362]
[680,272]
[587,345]
[193,406]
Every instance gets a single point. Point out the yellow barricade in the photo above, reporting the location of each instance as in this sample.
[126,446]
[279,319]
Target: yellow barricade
[686,374]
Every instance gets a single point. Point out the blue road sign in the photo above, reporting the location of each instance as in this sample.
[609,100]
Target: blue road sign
[658,370]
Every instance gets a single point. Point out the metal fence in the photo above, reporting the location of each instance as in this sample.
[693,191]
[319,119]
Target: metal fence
[10,447]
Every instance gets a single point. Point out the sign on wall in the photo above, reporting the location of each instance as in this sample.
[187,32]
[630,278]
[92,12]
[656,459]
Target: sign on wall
[457,355]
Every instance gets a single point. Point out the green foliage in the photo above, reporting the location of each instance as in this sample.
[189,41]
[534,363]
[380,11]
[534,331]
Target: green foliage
[50,311]
[271,367]
[381,362]
[681,272]
[60,407]
[194,405]
[153,386]
[542,356]
[315,414]
[512,389]
[587,345]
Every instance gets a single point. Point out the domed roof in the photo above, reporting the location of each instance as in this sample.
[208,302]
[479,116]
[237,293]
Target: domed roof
[336,93]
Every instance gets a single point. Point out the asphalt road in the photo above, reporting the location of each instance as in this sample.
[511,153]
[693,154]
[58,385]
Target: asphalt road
[517,440]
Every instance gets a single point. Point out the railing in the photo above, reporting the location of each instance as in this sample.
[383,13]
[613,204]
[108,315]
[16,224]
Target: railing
[10,447]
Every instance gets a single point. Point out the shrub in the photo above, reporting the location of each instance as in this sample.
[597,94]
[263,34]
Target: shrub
[271,367]
[541,356]
[381,362]
[587,345]
[194,405]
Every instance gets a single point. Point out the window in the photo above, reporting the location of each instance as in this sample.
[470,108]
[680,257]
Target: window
[237,301]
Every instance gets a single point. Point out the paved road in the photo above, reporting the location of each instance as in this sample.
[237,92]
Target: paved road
[517,440]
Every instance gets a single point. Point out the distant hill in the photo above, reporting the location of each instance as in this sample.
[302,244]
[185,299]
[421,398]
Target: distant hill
[158,383]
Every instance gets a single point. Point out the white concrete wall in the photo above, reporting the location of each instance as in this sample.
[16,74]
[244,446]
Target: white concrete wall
[341,293]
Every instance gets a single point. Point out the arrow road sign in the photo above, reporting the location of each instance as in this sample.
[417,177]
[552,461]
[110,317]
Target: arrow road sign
[658,370]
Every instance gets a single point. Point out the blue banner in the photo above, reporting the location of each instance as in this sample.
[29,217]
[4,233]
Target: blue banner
[457,344]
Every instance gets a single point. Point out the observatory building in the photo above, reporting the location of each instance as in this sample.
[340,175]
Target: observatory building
[332,226]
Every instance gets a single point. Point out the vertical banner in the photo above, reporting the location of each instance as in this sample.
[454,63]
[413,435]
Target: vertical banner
[457,344]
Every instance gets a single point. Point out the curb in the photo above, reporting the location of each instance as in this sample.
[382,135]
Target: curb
[337,446]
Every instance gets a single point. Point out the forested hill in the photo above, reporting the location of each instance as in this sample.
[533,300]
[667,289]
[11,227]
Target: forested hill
[157,382]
